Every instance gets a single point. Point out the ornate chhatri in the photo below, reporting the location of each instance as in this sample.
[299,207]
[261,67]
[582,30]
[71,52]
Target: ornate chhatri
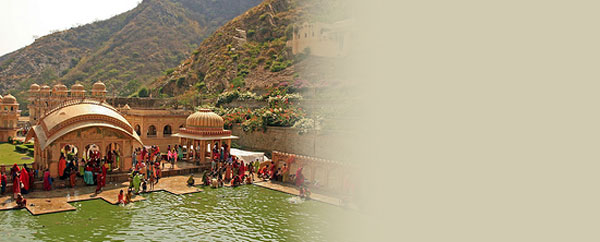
[206,123]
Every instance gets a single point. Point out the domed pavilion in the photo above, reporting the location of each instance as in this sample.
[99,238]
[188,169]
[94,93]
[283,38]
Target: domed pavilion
[203,129]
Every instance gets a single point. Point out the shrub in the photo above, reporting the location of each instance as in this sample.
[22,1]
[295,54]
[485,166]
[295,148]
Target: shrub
[143,92]
[262,17]
[180,81]
[278,66]
[21,148]
[238,82]
[169,71]
[250,33]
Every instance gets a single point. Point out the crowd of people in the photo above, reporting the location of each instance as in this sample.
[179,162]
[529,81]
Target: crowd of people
[22,182]
[146,171]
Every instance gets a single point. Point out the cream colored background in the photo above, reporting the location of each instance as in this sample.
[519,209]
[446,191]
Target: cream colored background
[494,109]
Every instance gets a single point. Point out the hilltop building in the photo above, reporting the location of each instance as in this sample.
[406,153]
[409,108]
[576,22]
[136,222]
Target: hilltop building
[322,39]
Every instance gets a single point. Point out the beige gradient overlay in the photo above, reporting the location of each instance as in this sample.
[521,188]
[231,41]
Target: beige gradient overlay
[480,120]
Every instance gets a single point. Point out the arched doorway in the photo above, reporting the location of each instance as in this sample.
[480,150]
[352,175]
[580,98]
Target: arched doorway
[138,130]
[92,151]
[69,151]
[167,131]
[113,155]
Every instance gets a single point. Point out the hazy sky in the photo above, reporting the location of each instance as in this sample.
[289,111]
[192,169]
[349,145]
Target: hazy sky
[21,20]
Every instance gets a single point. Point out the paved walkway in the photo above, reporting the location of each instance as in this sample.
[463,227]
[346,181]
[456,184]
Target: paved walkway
[58,200]
[44,202]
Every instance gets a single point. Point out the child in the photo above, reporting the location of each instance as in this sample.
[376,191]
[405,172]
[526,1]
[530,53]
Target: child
[128,197]
[120,198]
[190,181]
[152,182]
[144,186]
[21,201]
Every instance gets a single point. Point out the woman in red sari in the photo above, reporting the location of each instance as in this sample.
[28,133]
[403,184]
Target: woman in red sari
[299,177]
[104,171]
[62,164]
[228,173]
[25,180]
[242,169]
[47,182]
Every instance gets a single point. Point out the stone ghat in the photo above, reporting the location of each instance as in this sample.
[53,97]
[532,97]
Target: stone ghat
[45,202]
[115,177]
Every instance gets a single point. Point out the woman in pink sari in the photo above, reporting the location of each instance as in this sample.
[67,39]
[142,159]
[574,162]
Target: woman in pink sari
[170,157]
[299,177]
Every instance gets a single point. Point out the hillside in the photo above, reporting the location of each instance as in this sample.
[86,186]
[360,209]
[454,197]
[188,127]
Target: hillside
[250,52]
[126,51]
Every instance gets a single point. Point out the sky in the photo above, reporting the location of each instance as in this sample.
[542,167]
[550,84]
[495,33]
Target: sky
[21,20]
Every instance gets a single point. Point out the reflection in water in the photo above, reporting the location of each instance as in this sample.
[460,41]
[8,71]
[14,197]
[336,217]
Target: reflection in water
[246,213]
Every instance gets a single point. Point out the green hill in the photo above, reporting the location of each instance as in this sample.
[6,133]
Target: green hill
[126,51]
[250,52]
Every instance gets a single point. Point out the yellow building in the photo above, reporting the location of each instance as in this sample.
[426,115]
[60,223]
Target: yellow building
[156,126]
[203,129]
[9,117]
[43,99]
[84,124]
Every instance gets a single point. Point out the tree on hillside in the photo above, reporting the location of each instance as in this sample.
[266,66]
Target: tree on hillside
[143,92]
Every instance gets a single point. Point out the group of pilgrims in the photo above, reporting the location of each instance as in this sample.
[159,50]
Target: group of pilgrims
[22,180]
[146,172]
[229,169]
[147,167]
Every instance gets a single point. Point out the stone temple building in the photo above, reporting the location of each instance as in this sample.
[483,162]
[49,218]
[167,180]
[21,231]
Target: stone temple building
[61,117]
[9,117]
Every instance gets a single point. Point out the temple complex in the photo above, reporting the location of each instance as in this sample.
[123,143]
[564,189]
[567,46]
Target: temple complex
[84,122]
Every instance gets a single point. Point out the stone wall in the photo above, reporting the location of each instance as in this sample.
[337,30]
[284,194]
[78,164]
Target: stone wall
[323,175]
[324,144]
[140,102]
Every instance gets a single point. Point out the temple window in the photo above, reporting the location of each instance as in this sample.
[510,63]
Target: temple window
[167,131]
[151,131]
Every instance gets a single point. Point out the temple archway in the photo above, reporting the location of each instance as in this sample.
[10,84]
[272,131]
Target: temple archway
[92,151]
[70,152]
[113,155]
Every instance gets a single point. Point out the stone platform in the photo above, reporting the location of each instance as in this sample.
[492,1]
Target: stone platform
[294,191]
[45,202]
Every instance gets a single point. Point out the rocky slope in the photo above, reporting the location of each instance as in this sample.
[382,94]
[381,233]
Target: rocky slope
[250,52]
[126,51]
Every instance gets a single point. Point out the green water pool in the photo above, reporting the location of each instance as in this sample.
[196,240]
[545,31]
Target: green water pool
[247,213]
